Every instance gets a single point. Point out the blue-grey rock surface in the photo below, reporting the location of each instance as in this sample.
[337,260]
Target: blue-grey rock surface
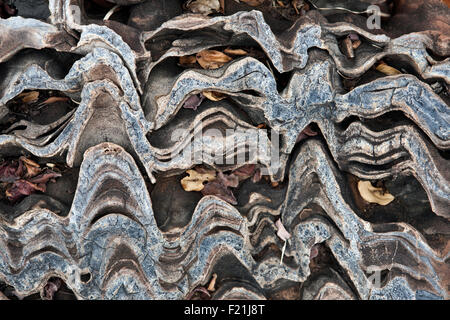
[116,223]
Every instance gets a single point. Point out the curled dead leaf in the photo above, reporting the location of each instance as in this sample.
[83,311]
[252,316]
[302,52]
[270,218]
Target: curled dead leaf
[212,284]
[347,46]
[22,188]
[253,3]
[387,70]
[235,52]
[214,95]
[205,7]
[51,288]
[53,100]
[261,126]
[45,177]
[10,171]
[220,187]
[373,194]
[187,60]
[201,291]
[307,132]
[282,232]
[212,59]
[195,180]
[29,162]
[356,44]
[284,235]
[245,172]
[193,101]
[28,97]
[32,167]
[314,252]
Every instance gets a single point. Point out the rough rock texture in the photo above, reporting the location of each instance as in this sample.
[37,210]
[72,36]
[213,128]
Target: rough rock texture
[119,226]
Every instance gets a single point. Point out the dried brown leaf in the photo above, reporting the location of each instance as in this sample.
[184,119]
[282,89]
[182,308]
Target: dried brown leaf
[205,7]
[373,194]
[387,70]
[22,188]
[193,101]
[347,46]
[44,177]
[282,232]
[253,3]
[246,171]
[51,288]
[261,126]
[212,284]
[307,132]
[54,99]
[10,171]
[28,97]
[356,44]
[195,180]
[214,95]
[235,52]
[29,162]
[220,187]
[212,59]
[187,60]
[200,290]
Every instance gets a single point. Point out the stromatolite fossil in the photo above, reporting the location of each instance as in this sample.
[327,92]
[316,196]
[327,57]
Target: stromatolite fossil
[105,105]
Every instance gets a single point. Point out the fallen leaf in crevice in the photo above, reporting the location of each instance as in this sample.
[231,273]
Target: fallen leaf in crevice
[387,70]
[299,4]
[53,100]
[6,11]
[212,59]
[257,176]
[228,180]
[51,288]
[253,3]
[356,44]
[23,177]
[9,172]
[373,194]
[220,187]
[205,7]
[282,232]
[314,251]
[32,167]
[22,188]
[28,97]
[212,284]
[353,36]
[214,95]
[355,41]
[307,132]
[235,52]
[200,290]
[261,126]
[187,61]
[195,180]
[194,101]
[245,172]
[347,46]
[44,177]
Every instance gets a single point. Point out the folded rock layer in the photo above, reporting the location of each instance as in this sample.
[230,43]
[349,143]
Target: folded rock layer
[108,103]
